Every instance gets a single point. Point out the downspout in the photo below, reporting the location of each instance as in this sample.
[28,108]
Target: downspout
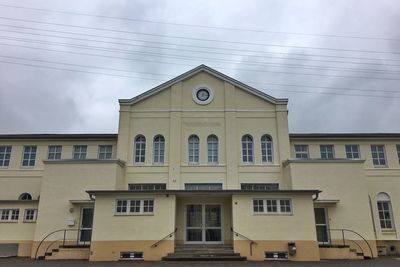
[372,216]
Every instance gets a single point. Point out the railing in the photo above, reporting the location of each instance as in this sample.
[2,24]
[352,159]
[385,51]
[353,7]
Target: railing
[354,232]
[165,237]
[252,242]
[74,242]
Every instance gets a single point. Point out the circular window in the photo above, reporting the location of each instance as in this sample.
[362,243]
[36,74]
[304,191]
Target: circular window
[203,95]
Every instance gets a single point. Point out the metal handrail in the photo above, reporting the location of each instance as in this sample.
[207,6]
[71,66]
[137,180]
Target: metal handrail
[252,242]
[56,231]
[165,237]
[354,232]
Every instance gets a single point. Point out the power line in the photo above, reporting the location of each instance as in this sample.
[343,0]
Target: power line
[200,26]
[126,76]
[205,47]
[184,57]
[201,39]
[159,62]
[172,75]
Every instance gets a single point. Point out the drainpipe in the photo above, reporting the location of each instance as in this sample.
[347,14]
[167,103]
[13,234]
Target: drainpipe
[372,216]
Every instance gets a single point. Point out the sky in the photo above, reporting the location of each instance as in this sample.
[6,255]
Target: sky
[65,64]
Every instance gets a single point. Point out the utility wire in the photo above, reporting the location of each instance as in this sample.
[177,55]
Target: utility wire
[202,47]
[160,62]
[200,26]
[201,39]
[185,57]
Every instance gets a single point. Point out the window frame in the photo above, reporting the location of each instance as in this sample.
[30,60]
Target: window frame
[213,151]
[55,153]
[379,158]
[5,156]
[10,214]
[306,153]
[244,144]
[105,152]
[210,186]
[34,216]
[192,151]
[158,149]
[326,151]
[138,187]
[129,205]
[383,212]
[398,152]
[139,150]
[267,204]
[30,159]
[79,153]
[352,152]
[265,158]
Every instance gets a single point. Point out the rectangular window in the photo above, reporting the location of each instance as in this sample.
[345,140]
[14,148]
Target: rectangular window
[9,215]
[378,155]
[385,214]
[105,152]
[5,155]
[30,215]
[260,187]
[80,152]
[54,152]
[398,152]
[327,151]
[301,151]
[352,151]
[29,156]
[147,187]
[206,187]
[272,206]
[134,207]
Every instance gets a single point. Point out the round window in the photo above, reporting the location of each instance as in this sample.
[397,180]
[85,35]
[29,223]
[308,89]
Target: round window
[203,95]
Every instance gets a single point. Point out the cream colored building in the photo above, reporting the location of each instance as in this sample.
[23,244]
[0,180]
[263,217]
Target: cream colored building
[201,162]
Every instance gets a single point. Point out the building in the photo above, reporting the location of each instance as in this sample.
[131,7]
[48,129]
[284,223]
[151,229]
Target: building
[201,159]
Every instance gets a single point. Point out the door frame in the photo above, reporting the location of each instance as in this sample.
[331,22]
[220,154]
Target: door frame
[328,236]
[80,226]
[203,228]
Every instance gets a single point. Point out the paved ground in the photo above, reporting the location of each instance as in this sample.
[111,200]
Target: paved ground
[24,262]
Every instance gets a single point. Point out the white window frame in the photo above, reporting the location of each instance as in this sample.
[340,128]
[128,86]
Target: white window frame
[384,198]
[158,149]
[379,155]
[301,152]
[269,202]
[31,156]
[54,152]
[139,156]
[247,146]
[5,156]
[351,151]
[131,203]
[8,215]
[327,150]
[79,152]
[212,149]
[193,149]
[105,152]
[267,149]
[398,152]
[34,215]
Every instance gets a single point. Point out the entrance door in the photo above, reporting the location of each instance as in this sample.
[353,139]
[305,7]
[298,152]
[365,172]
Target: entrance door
[204,223]
[321,224]
[85,233]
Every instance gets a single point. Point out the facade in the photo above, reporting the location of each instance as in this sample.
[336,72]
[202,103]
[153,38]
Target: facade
[202,159]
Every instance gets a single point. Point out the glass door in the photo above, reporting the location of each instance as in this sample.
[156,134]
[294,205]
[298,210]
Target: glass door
[203,223]
[321,224]
[85,233]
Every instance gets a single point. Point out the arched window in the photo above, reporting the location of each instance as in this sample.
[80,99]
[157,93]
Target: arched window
[266,149]
[212,149]
[25,196]
[193,149]
[140,149]
[247,148]
[158,149]
[385,211]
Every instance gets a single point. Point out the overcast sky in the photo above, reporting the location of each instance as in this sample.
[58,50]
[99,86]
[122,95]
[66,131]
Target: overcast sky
[65,64]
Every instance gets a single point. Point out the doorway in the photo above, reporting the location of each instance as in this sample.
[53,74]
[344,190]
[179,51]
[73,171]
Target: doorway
[203,224]
[321,224]
[86,223]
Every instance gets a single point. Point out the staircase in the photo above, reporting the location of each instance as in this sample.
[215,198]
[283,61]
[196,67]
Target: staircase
[67,252]
[204,253]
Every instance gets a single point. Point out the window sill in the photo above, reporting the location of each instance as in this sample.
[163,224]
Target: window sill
[381,166]
[388,231]
[131,214]
[29,221]
[273,214]
[8,221]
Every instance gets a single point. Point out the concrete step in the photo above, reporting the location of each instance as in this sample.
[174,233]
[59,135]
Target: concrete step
[204,258]
[204,253]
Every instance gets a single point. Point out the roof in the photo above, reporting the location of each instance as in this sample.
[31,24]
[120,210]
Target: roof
[342,135]
[58,136]
[195,71]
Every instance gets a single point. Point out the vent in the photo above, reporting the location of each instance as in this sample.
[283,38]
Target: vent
[276,255]
[131,255]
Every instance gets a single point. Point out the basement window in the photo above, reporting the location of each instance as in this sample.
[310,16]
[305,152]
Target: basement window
[276,255]
[131,255]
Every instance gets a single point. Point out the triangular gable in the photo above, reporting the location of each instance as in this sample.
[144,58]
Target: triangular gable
[195,71]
